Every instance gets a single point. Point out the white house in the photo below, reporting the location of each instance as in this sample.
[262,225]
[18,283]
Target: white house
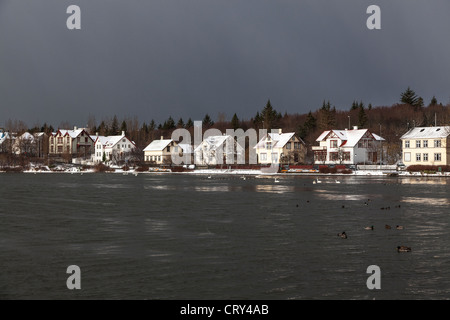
[281,148]
[160,151]
[348,147]
[112,148]
[215,150]
[426,146]
[31,144]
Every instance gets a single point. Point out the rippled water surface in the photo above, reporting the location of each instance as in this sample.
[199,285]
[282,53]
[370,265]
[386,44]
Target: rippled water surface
[169,236]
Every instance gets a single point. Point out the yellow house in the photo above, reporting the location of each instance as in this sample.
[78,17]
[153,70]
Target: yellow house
[160,151]
[426,146]
[285,148]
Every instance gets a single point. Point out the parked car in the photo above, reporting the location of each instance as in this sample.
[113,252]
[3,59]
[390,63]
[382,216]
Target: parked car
[401,166]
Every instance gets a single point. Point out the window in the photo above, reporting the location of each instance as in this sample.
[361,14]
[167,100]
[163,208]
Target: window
[51,140]
[67,149]
[417,156]
[60,140]
[417,143]
[334,156]
[407,157]
[78,139]
[296,145]
[333,144]
[68,139]
[168,149]
[263,157]
[425,157]
[86,139]
[269,145]
[437,156]
[52,149]
[437,143]
[274,157]
[288,146]
[425,143]
[406,143]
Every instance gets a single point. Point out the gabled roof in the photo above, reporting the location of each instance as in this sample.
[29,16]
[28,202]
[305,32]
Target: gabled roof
[158,145]
[349,137]
[213,142]
[73,133]
[279,139]
[427,132]
[109,141]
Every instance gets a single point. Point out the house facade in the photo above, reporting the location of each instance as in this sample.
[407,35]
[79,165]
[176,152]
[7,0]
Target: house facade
[215,150]
[112,148]
[76,142]
[357,146]
[160,151]
[284,148]
[426,146]
[35,145]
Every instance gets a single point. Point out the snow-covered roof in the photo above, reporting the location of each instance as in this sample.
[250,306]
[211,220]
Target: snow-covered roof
[109,141]
[351,137]
[279,139]
[71,133]
[27,136]
[158,145]
[427,132]
[213,142]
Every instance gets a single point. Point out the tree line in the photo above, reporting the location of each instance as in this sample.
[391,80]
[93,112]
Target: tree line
[390,122]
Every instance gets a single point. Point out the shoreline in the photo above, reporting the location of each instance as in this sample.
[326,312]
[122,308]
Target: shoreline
[243,172]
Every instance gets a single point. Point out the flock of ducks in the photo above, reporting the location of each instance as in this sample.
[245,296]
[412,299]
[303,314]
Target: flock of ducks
[344,235]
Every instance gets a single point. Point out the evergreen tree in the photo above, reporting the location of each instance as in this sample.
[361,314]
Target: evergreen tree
[354,105]
[362,117]
[308,127]
[235,122]
[257,121]
[327,116]
[169,124]
[410,97]
[189,123]
[152,125]
[114,127]
[369,107]
[207,122]
[180,123]
[269,116]
[123,127]
[433,101]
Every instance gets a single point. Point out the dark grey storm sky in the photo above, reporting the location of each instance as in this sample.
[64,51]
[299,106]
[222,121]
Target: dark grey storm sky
[185,58]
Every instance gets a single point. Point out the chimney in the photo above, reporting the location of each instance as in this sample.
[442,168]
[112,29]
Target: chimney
[96,134]
[280,131]
[162,137]
[75,128]
[123,133]
[355,127]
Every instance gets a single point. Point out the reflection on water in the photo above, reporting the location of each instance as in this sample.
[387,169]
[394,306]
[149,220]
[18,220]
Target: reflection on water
[273,188]
[336,195]
[429,201]
[422,180]
[190,237]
